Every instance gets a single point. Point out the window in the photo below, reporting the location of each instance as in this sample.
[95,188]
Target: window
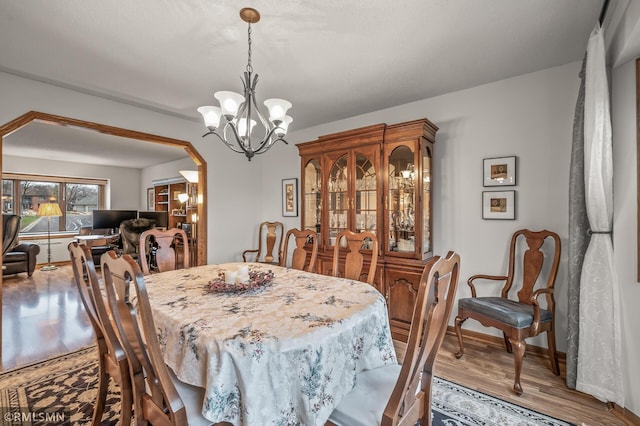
[77,197]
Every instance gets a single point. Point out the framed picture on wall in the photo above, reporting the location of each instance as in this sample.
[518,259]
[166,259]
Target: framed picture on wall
[499,205]
[500,171]
[151,199]
[290,197]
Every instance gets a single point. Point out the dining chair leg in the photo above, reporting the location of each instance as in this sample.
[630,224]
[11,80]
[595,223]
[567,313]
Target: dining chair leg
[553,355]
[507,343]
[518,353]
[101,397]
[126,394]
[459,321]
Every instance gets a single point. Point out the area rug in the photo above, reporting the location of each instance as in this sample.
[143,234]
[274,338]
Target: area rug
[62,390]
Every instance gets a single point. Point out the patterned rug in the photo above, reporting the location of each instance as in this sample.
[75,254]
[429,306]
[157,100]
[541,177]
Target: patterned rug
[61,391]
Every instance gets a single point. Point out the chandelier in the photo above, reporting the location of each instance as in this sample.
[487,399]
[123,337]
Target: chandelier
[240,112]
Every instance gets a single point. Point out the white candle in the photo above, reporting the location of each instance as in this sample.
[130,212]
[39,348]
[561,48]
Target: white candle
[240,279]
[231,276]
[243,270]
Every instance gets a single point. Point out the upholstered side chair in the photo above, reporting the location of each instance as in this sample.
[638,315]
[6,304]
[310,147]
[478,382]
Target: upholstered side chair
[112,360]
[401,394]
[159,397]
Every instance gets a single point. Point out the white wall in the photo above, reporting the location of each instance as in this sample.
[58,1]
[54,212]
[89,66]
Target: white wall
[233,183]
[123,181]
[625,230]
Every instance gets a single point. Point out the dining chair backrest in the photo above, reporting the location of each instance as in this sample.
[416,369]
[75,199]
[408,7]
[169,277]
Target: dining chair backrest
[304,255]
[163,250]
[270,236]
[354,259]
[396,395]
[156,400]
[411,397]
[112,358]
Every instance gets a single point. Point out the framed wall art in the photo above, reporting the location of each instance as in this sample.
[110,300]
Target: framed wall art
[499,205]
[499,171]
[151,199]
[290,197]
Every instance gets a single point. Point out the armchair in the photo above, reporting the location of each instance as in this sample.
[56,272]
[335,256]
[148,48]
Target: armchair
[16,257]
[524,317]
[270,234]
[130,231]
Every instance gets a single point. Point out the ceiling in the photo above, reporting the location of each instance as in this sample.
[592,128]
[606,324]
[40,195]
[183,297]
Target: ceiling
[332,59]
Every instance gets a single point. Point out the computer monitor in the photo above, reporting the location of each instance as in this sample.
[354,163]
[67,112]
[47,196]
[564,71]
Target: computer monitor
[111,219]
[161,218]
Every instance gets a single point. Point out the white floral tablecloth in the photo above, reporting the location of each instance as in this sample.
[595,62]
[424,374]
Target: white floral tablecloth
[280,355]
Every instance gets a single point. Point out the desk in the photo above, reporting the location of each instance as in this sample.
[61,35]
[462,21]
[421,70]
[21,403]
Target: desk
[285,354]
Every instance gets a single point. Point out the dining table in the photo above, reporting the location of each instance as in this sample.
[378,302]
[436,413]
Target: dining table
[282,351]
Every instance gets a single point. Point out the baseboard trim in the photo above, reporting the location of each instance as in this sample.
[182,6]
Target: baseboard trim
[623,414]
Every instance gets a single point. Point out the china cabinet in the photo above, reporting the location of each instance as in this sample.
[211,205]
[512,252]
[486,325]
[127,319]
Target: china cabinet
[378,179]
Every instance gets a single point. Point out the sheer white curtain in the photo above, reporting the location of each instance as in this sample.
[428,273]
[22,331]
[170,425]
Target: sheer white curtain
[599,351]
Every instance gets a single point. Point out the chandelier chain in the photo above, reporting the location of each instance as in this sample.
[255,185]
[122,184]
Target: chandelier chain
[249,67]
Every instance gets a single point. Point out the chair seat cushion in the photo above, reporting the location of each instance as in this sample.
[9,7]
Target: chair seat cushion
[193,400]
[365,404]
[515,314]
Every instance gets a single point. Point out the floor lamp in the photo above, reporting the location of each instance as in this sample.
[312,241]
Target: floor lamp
[49,210]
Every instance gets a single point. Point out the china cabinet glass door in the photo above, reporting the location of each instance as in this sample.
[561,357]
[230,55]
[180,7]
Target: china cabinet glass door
[402,200]
[338,197]
[426,199]
[365,195]
[312,196]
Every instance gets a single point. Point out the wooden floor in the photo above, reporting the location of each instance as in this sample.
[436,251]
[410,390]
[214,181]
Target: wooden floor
[43,316]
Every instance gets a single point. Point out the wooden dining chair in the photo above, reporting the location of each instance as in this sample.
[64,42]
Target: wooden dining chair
[270,236]
[112,360]
[163,250]
[401,394]
[524,317]
[159,398]
[354,260]
[301,254]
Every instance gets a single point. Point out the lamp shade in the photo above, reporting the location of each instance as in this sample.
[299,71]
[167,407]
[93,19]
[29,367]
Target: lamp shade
[211,115]
[281,130]
[277,109]
[229,103]
[49,209]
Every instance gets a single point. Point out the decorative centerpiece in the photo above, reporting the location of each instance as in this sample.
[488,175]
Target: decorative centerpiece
[239,280]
